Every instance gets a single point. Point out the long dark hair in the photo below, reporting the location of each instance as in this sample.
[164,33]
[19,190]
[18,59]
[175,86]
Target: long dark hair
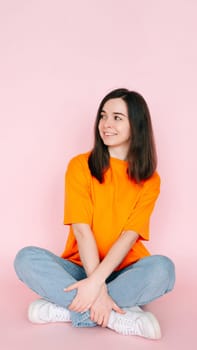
[142,159]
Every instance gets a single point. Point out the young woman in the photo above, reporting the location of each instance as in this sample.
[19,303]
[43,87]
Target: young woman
[105,273]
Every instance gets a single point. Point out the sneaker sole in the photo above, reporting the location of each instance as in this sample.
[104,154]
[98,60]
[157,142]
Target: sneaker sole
[156,326]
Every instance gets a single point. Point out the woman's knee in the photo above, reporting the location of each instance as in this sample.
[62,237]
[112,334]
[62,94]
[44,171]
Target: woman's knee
[164,270]
[23,259]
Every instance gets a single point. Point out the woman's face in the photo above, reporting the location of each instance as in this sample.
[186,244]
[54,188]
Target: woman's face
[114,127]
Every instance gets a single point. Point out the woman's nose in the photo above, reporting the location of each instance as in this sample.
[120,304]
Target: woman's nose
[108,123]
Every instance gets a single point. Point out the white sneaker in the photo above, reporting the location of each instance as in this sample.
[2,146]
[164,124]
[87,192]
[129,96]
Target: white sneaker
[137,322]
[133,308]
[42,311]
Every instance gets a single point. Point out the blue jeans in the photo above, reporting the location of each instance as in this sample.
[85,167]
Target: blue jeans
[138,284]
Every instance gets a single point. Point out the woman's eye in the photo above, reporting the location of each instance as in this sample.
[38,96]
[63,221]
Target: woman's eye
[103,116]
[116,117]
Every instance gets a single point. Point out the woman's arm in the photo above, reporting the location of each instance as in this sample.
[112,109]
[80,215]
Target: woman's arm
[115,255]
[87,247]
[89,255]
[96,280]
[87,290]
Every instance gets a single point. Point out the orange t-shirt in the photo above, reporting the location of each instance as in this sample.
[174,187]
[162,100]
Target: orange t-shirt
[117,205]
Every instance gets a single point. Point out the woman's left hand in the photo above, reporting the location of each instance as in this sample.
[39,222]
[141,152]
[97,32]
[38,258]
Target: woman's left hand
[87,292]
[102,307]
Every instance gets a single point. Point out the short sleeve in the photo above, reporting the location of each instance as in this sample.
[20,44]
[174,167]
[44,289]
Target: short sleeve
[139,219]
[78,204]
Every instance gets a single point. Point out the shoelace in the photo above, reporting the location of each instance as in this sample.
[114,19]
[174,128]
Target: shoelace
[128,326]
[58,313]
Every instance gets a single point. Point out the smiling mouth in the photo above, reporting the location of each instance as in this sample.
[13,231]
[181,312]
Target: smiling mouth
[109,134]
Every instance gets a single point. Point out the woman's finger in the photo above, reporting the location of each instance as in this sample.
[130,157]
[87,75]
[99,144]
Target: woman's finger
[83,308]
[75,303]
[105,321]
[118,309]
[73,286]
[78,306]
[92,314]
[100,320]
[95,318]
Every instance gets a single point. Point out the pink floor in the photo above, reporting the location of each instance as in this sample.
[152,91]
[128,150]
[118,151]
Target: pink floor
[177,313]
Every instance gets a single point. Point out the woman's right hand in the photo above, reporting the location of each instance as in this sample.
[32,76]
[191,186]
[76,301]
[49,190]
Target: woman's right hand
[102,307]
[87,292]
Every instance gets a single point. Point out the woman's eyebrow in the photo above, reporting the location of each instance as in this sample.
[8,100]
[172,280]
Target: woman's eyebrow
[119,113]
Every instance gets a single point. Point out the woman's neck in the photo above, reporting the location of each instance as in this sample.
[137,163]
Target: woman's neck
[118,153]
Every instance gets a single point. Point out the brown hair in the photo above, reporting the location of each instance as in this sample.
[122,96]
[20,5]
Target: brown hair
[142,159]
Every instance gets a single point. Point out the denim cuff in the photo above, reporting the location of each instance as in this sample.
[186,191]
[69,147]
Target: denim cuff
[82,319]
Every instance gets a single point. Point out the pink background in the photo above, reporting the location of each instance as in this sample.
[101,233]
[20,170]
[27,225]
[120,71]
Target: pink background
[57,61]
